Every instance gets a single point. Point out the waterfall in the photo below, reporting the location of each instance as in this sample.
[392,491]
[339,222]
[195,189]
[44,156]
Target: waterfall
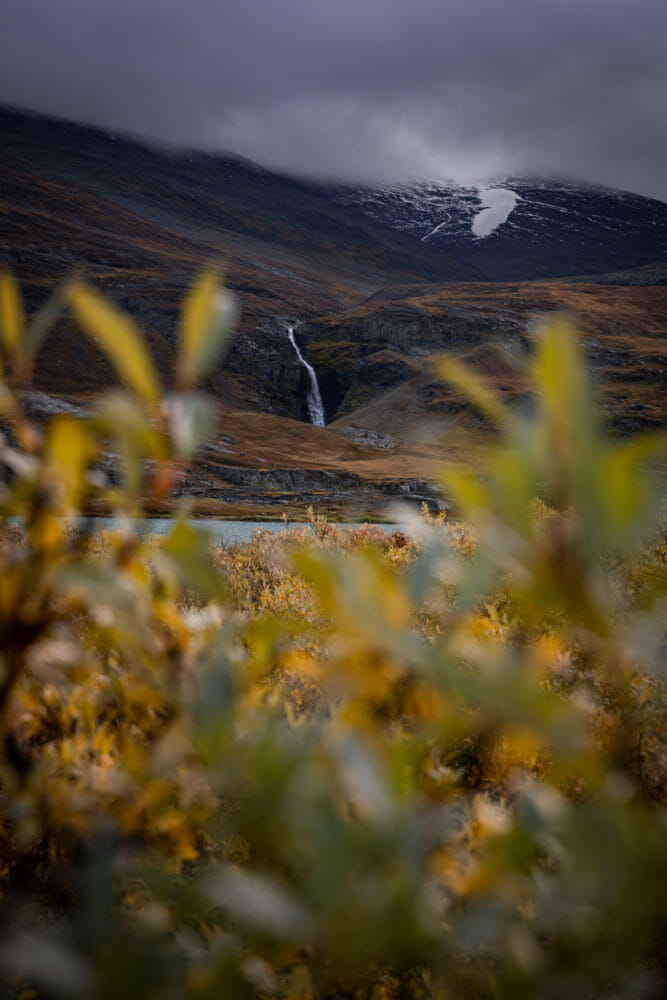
[314,398]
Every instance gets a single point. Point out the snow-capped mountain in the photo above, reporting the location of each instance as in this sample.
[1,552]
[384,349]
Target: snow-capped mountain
[522,229]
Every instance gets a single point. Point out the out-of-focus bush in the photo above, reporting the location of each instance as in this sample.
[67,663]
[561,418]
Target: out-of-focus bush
[334,764]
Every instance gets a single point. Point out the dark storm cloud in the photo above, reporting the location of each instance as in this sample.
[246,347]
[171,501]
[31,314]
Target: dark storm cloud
[368,89]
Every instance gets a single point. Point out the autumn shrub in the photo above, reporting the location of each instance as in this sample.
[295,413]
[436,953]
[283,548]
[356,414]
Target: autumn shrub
[332,763]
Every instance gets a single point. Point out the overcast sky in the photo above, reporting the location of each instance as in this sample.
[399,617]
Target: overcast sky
[362,89]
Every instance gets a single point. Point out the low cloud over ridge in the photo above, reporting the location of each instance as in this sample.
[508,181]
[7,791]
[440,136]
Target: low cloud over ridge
[370,90]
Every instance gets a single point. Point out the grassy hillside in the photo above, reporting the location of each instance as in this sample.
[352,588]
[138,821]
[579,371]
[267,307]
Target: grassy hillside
[386,340]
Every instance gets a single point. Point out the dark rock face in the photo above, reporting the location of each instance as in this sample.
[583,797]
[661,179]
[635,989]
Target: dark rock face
[269,356]
[366,352]
[335,363]
[385,368]
[374,374]
[413,330]
[349,373]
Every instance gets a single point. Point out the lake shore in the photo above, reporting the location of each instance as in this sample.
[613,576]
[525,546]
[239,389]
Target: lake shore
[199,508]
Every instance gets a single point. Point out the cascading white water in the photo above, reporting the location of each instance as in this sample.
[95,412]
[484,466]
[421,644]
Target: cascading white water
[314,398]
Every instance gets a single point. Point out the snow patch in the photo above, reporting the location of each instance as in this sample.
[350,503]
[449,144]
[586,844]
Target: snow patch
[497,206]
[438,229]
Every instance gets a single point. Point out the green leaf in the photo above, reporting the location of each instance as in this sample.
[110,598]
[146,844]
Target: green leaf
[625,493]
[190,420]
[136,438]
[187,550]
[515,482]
[262,904]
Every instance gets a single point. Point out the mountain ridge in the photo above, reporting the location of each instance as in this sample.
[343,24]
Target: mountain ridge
[140,223]
[555,228]
[369,303]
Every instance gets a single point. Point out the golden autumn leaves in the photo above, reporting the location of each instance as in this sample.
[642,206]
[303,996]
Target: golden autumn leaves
[144,420]
[336,763]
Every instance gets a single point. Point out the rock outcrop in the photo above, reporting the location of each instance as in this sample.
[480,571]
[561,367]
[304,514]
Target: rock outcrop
[316,487]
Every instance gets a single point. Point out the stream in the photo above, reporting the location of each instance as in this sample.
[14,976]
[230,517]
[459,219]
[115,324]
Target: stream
[314,398]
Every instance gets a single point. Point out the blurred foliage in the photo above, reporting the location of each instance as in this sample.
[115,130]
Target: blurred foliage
[334,763]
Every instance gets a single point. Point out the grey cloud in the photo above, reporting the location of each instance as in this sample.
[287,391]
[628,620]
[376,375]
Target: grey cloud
[371,89]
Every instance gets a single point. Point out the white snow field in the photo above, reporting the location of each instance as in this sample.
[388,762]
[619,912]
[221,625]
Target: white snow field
[497,206]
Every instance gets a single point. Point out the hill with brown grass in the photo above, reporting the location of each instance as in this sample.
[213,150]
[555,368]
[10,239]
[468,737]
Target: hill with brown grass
[371,305]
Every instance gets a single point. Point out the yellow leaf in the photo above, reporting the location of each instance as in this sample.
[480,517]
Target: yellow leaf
[560,373]
[470,385]
[206,319]
[466,490]
[118,337]
[69,451]
[515,481]
[12,319]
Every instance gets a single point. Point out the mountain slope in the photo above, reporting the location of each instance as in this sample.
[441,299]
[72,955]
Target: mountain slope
[374,360]
[551,228]
[140,222]
[372,298]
